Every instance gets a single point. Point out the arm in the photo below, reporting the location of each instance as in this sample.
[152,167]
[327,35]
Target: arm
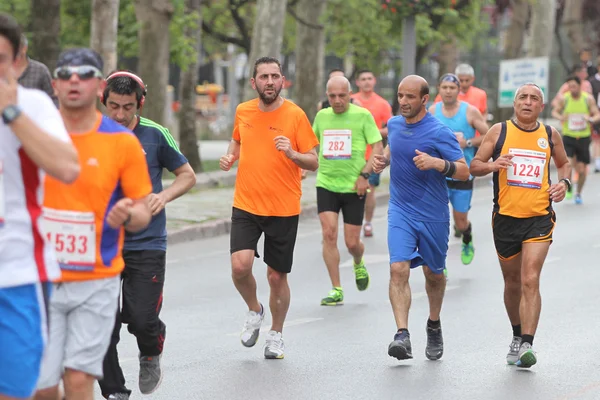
[560,156]
[432,109]
[558,105]
[563,89]
[480,165]
[308,161]
[477,121]
[377,149]
[234,150]
[594,113]
[140,215]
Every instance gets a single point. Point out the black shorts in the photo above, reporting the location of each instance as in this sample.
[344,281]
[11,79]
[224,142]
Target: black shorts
[352,206]
[280,237]
[510,233]
[579,148]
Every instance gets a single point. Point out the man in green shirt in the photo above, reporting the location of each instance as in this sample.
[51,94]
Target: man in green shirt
[577,112]
[344,131]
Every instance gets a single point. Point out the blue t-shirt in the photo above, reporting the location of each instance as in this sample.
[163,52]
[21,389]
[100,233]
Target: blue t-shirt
[422,195]
[161,152]
[459,123]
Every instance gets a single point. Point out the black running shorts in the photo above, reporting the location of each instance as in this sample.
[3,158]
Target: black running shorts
[280,237]
[510,233]
[578,147]
[352,205]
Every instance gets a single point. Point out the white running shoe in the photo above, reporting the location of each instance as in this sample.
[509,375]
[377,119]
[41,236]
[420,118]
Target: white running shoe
[251,328]
[274,345]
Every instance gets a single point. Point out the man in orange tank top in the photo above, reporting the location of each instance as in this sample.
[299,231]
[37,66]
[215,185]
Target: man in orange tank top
[523,219]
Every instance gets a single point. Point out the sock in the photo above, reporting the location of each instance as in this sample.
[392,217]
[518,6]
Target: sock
[517,330]
[527,339]
[434,324]
[402,330]
[467,235]
[361,264]
[262,309]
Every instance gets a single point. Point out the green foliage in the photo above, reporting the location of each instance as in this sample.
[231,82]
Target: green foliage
[182,48]
[19,9]
[75,23]
[127,39]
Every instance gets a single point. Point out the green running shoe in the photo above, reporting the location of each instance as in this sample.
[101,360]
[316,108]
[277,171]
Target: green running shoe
[362,276]
[569,195]
[467,253]
[334,298]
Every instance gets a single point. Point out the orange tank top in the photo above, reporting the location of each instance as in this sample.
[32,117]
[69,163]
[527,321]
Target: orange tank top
[521,191]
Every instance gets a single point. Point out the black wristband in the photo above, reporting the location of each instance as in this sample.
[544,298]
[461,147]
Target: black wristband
[450,170]
[568,182]
[446,167]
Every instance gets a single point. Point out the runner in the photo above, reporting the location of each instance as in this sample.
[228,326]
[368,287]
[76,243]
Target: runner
[468,92]
[595,82]
[576,110]
[85,221]
[33,74]
[325,103]
[579,71]
[344,131]
[523,220]
[463,119]
[33,141]
[273,140]
[144,252]
[422,152]
[382,112]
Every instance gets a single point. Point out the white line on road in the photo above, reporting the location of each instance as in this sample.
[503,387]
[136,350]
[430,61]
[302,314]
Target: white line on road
[294,322]
[551,260]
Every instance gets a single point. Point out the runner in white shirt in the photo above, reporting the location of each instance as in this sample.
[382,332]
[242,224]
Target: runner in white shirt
[33,140]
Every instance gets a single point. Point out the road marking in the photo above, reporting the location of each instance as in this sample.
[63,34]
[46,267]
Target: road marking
[370,259]
[267,324]
[551,259]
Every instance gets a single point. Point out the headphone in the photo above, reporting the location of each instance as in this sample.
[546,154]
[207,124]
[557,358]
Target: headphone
[126,74]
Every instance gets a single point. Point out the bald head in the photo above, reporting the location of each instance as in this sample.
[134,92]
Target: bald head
[413,94]
[338,93]
[338,82]
[415,82]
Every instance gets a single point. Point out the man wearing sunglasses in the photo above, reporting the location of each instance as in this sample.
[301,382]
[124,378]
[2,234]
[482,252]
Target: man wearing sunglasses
[86,222]
[33,141]
[144,252]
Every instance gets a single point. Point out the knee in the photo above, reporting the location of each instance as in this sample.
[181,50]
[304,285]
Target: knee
[512,281]
[531,283]
[399,273]
[353,244]
[47,394]
[77,381]
[330,235]
[581,169]
[240,267]
[276,279]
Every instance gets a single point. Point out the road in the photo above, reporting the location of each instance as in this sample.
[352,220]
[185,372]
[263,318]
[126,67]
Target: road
[341,352]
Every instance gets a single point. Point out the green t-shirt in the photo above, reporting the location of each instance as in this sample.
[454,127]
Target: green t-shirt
[344,139]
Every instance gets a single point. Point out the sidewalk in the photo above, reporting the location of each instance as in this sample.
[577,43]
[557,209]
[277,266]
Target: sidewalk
[206,210]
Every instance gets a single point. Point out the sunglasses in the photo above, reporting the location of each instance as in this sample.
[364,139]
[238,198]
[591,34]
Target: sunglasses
[84,72]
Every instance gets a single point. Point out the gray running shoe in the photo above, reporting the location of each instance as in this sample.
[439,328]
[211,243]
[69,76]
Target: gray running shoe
[435,343]
[513,353]
[274,347]
[527,357]
[118,396]
[150,374]
[251,327]
[401,348]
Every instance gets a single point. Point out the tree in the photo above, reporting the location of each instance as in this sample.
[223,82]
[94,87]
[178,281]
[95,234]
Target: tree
[45,31]
[153,63]
[105,20]
[573,23]
[513,44]
[187,89]
[267,35]
[310,57]
[543,16]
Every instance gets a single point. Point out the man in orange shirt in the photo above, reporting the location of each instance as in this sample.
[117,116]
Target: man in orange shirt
[273,140]
[85,221]
[382,112]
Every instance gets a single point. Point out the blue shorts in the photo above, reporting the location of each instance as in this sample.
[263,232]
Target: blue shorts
[374,179]
[421,243]
[23,329]
[460,199]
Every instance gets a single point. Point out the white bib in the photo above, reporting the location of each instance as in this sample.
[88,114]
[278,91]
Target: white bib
[528,168]
[337,144]
[2,196]
[73,235]
[577,122]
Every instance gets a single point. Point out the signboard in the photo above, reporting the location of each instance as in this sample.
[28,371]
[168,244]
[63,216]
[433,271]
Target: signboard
[514,73]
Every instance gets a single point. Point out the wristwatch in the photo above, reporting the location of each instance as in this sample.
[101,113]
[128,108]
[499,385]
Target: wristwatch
[365,175]
[10,113]
[469,143]
[567,181]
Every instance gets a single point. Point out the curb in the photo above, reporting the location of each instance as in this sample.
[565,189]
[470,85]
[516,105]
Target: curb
[219,227]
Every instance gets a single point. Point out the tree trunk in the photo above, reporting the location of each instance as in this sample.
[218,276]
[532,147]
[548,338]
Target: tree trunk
[573,23]
[187,92]
[103,37]
[516,31]
[267,35]
[543,16]
[310,55]
[154,17]
[448,56]
[45,31]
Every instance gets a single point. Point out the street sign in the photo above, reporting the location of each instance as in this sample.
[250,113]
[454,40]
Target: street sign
[514,73]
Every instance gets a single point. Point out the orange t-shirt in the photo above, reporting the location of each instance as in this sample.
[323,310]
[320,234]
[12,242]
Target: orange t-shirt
[113,166]
[267,182]
[475,97]
[379,108]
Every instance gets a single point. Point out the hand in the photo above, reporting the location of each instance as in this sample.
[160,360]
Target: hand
[304,174]
[361,186]
[119,213]
[502,162]
[563,118]
[558,191]
[156,202]
[282,143]
[8,90]
[379,163]
[226,162]
[424,161]
[461,141]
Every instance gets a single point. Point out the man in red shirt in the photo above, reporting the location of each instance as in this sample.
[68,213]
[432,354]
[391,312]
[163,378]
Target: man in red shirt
[382,112]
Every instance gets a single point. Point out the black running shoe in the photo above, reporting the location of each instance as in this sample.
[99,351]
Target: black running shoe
[401,348]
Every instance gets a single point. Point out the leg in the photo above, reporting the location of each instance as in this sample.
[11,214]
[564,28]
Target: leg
[582,171]
[331,254]
[435,286]
[400,294]
[534,255]
[78,385]
[353,208]
[355,246]
[279,302]
[511,272]
[371,203]
[460,220]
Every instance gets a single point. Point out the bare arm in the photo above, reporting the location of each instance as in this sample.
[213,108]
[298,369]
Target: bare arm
[477,121]
[480,165]
[377,149]
[383,132]
[308,161]
[594,113]
[560,156]
[185,179]
[234,150]
[140,215]
[557,108]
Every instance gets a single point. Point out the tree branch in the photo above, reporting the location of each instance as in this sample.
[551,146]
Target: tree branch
[239,21]
[302,21]
[206,28]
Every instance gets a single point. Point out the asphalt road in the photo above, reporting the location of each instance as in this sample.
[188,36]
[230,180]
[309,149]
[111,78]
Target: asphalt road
[341,352]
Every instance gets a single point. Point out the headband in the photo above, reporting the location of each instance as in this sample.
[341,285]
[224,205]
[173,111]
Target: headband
[450,78]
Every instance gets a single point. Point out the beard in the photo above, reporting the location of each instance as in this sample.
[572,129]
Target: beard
[268,99]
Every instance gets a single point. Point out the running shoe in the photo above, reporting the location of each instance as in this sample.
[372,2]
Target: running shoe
[150,374]
[274,346]
[252,327]
[578,199]
[368,229]
[569,195]
[401,348]
[435,343]
[334,298]
[513,353]
[467,253]
[527,357]
[361,275]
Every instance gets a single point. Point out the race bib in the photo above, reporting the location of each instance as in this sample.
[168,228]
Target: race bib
[2,197]
[577,122]
[337,144]
[528,168]
[73,235]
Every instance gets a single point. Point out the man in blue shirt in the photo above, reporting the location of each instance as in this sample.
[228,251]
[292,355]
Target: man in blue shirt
[144,252]
[422,153]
